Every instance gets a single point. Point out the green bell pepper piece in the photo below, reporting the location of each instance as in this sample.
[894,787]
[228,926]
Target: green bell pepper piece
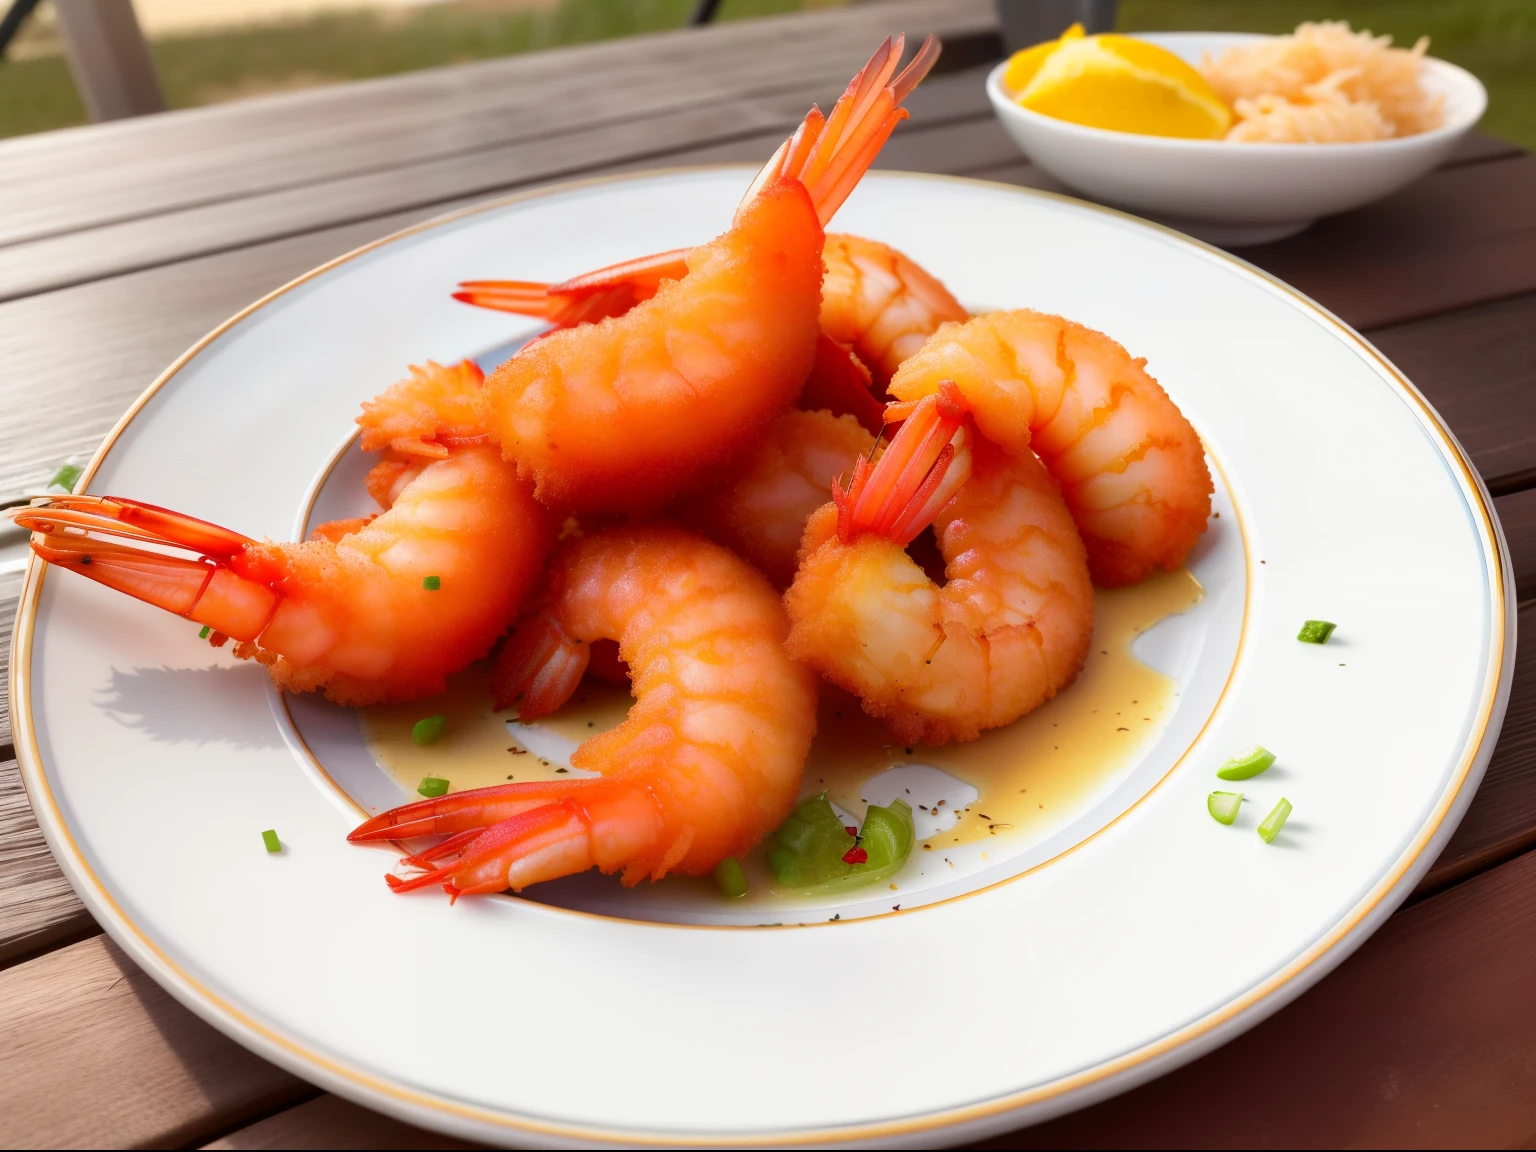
[806,853]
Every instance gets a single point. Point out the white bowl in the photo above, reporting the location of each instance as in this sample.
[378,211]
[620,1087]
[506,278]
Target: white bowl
[1236,193]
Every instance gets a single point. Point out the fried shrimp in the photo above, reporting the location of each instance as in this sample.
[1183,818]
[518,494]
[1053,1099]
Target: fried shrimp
[623,414]
[722,344]
[760,513]
[875,301]
[709,760]
[1131,468]
[378,609]
[1009,628]
[880,303]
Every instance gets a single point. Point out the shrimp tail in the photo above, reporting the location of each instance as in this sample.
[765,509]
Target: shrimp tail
[514,835]
[610,291]
[460,812]
[205,590]
[134,520]
[925,465]
[449,847]
[502,843]
[539,667]
[643,275]
[827,154]
[524,297]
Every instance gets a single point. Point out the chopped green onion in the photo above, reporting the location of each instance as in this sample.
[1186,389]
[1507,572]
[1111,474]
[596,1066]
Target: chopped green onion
[1275,821]
[810,852]
[428,729]
[269,838]
[1223,806]
[1246,764]
[431,583]
[731,879]
[432,786]
[65,477]
[1316,632]
[203,635]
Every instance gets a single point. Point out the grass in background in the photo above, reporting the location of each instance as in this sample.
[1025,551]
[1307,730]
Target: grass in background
[36,92]
[1496,39]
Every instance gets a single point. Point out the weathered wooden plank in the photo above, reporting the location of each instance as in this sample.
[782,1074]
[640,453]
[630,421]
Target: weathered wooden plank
[957,148]
[1477,147]
[1501,821]
[331,1122]
[971,142]
[82,256]
[10,589]
[1017,170]
[76,359]
[38,908]
[1426,1037]
[1478,368]
[1459,237]
[1517,513]
[87,254]
[97,1055]
[203,156]
[139,323]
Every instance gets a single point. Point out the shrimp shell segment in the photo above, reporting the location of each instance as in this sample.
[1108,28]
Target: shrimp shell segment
[1008,630]
[1130,466]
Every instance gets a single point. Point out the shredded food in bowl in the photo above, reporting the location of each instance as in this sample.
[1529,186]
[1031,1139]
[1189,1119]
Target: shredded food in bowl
[1325,84]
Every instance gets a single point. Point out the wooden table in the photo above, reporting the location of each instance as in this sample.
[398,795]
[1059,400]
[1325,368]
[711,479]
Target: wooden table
[121,244]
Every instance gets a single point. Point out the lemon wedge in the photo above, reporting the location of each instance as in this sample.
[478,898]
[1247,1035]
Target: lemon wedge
[1119,83]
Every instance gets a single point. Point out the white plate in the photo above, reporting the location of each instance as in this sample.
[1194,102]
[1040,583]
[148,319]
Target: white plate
[1143,934]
